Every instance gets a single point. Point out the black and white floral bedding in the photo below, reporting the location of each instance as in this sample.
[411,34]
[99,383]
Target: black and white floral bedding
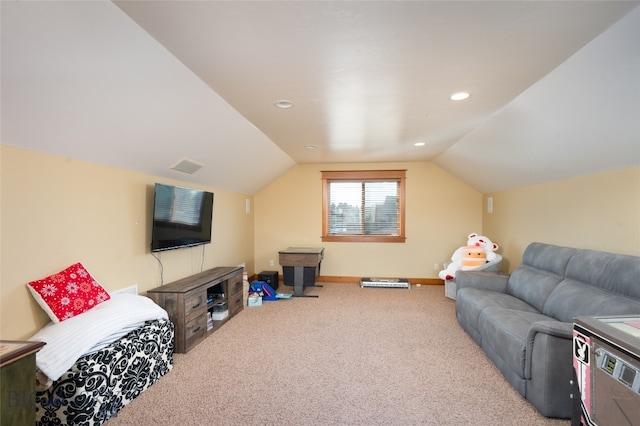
[98,385]
[114,368]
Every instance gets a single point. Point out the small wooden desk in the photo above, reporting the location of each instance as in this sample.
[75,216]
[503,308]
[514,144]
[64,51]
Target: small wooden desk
[301,260]
[18,381]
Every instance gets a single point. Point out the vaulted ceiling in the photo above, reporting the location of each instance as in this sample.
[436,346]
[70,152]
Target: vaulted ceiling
[554,86]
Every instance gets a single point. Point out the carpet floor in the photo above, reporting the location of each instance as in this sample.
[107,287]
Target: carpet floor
[352,356]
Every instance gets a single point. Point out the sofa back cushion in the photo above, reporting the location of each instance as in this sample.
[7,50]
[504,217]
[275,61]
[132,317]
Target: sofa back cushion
[541,270]
[596,283]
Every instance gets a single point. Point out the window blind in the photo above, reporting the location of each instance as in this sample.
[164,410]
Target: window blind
[363,207]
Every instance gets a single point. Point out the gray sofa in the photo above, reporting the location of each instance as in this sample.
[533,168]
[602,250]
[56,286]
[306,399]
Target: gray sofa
[524,321]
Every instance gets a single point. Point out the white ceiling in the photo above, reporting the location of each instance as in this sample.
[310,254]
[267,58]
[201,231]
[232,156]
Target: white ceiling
[141,85]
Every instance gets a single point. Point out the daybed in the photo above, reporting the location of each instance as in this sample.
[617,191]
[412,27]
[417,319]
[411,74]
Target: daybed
[94,363]
[524,322]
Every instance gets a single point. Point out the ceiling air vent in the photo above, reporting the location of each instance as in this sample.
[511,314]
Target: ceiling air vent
[187,166]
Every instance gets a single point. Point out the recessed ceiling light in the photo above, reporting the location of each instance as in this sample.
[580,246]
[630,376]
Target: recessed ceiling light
[419,144]
[312,146]
[459,96]
[284,104]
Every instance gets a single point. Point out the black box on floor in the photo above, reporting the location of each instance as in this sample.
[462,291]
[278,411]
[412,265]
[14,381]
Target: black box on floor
[269,277]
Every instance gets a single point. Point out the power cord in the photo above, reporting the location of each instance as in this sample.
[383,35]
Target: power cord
[161,267]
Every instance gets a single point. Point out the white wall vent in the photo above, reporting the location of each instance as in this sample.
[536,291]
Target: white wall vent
[187,166]
[128,290]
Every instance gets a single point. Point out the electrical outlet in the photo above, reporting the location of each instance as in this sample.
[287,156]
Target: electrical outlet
[271,262]
[436,267]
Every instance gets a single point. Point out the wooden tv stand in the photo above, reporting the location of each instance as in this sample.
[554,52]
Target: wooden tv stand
[192,300]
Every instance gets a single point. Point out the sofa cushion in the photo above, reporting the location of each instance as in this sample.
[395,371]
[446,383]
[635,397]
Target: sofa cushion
[543,267]
[506,331]
[470,302]
[596,283]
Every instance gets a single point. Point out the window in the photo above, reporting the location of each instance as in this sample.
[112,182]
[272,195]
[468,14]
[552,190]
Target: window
[363,205]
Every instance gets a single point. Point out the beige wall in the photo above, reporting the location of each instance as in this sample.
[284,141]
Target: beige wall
[599,212]
[441,211]
[56,211]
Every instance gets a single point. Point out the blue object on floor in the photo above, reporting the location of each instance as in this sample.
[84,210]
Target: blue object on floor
[268,293]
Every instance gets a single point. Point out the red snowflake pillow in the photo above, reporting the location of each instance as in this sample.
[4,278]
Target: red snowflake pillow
[68,293]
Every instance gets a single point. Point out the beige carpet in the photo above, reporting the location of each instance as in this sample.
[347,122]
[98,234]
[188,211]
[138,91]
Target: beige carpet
[352,356]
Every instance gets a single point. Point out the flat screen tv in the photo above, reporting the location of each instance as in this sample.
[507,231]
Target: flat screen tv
[182,217]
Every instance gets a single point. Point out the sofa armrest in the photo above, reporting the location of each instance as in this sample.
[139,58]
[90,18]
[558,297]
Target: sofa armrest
[558,329]
[552,327]
[483,280]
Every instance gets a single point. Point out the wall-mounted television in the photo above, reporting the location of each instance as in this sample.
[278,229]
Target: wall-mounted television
[182,217]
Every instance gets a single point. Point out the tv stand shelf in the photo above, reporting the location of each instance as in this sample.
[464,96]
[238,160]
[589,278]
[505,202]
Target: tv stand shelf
[192,301]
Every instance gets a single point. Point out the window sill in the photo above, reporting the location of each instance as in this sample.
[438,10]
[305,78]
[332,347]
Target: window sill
[364,239]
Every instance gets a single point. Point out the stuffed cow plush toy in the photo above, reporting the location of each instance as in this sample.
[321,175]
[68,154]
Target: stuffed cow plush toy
[478,251]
